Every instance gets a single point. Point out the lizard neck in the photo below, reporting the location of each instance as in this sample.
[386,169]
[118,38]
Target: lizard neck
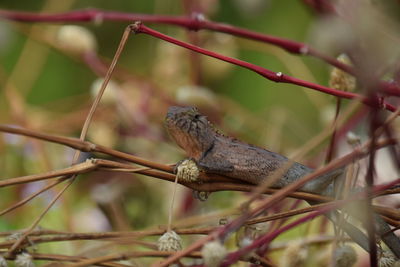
[194,135]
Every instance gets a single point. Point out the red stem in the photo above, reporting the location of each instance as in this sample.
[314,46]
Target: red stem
[270,75]
[266,239]
[194,23]
[235,256]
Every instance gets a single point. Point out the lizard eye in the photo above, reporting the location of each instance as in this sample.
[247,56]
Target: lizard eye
[197,116]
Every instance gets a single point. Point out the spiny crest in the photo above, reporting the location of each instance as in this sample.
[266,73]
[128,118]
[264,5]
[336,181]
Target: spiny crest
[221,134]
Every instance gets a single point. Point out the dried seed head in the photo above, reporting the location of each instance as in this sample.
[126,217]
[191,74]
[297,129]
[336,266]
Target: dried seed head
[3,262]
[187,171]
[213,253]
[76,39]
[341,80]
[344,256]
[387,259]
[170,241]
[24,260]
[353,139]
[295,254]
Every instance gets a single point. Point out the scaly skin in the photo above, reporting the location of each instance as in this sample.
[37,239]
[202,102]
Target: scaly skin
[219,154]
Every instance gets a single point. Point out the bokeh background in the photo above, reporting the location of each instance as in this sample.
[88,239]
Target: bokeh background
[48,88]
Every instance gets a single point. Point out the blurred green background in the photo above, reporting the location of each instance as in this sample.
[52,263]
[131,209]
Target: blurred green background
[62,77]
[48,88]
[52,86]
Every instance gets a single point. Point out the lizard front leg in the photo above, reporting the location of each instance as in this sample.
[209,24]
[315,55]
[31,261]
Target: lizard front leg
[209,163]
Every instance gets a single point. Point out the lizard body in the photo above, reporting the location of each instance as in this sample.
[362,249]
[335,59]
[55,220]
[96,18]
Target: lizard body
[216,153]
[220,154]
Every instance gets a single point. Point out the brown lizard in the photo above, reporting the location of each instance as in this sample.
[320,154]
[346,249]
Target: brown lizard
[216,153]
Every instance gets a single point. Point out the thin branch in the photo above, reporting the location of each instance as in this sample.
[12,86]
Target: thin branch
[84,146]
[194,23]
[101,236]
[268,74]
[265,204]
[128,255]
[29,198]
[60,258]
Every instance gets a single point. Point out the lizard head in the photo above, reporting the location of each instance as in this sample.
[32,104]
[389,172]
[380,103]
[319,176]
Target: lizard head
[190,130]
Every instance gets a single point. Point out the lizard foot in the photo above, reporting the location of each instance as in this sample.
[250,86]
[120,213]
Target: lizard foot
[187,170]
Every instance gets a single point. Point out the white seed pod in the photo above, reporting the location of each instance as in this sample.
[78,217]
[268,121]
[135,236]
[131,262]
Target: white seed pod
[76,39]
[187,171]
[109,95]
[386,259]
[341,80]
[295,254]
[3,262]
[344,256]
[353,139]
[169,241]
[213,253]
[24,260]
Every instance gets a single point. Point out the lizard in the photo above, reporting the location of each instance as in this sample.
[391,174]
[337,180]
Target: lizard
[216,153]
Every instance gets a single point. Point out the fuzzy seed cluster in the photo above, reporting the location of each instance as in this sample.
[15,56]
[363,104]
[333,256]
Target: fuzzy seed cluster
[170,241]
[387,259]
[345,256]
[187,171]
[24,260]
[341,80]
[213,253]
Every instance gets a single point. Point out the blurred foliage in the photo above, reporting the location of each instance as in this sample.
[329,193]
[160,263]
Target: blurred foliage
[55,92]
[52,93]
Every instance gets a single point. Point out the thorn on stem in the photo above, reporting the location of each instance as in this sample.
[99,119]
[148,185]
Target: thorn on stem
[197,19]
[304,50]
